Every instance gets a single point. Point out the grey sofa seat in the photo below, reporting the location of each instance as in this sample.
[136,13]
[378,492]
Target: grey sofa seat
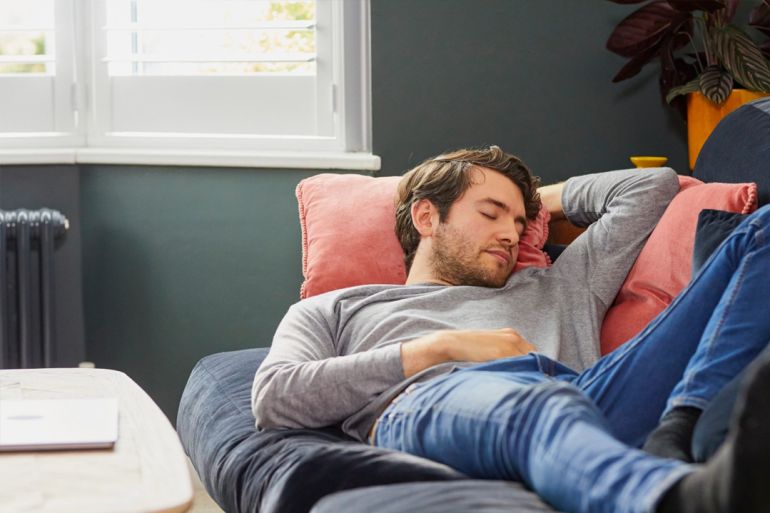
[465,496]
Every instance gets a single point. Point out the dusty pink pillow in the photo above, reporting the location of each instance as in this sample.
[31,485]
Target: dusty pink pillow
[348,233]
[663,267]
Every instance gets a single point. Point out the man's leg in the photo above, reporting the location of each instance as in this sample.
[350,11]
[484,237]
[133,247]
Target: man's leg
[508,420]
[735,480]
[711,331]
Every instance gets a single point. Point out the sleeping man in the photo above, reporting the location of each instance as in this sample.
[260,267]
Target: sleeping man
[498,375]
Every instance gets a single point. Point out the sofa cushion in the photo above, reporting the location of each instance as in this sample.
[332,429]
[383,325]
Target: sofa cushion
[713,228]
[245,470]
[738,150]
[664,265]
[348,233]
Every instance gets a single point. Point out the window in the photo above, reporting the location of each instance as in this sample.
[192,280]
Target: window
[107,76]
[36,73]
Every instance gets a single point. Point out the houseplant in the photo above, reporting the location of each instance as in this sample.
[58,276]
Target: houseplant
[701,51]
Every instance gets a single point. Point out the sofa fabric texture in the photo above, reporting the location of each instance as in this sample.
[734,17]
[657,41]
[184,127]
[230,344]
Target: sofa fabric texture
[468,496]
[713,228]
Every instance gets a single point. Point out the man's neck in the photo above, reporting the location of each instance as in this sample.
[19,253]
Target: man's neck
[419,274]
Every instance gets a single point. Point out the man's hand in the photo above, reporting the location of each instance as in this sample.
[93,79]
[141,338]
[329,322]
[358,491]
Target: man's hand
[550,195]
[461,345]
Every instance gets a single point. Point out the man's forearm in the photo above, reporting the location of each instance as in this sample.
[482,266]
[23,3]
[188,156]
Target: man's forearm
[550,195]
[461,345]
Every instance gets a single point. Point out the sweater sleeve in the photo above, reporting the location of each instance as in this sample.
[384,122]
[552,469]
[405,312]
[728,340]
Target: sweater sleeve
[304,382]
[621,208]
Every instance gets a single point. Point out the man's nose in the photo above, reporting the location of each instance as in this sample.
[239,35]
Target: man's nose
[510,236]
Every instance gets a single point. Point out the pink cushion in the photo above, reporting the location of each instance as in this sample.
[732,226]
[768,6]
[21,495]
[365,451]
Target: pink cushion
[348,233]
[663,267]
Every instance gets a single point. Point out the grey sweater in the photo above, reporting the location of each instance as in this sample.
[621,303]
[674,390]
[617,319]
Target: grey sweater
[336,357]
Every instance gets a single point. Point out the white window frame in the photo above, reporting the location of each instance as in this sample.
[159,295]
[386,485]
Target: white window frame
[64,131]
[90,141]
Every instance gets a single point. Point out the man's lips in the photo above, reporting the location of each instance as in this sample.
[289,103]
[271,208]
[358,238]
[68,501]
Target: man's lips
[501,255]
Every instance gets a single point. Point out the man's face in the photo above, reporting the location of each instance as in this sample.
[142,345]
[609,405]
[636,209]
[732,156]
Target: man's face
[478,242]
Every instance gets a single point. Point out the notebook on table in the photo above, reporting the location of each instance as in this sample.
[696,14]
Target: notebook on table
[58,424]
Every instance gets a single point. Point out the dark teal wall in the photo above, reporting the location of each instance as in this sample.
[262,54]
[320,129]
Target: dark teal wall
[183,262]
[531,76]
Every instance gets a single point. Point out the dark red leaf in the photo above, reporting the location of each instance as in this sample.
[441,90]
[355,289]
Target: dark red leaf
[760,18]
[697,5]
[675,71]
[644,28]
[732,6]
[635,65]
[765,47]
[680,37]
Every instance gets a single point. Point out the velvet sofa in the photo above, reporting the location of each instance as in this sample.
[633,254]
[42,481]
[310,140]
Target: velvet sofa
[323,471]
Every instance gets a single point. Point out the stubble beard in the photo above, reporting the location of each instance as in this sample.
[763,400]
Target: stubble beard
[455,259]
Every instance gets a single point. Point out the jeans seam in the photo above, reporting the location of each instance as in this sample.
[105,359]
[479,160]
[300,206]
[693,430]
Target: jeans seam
[682,399]
[687,379]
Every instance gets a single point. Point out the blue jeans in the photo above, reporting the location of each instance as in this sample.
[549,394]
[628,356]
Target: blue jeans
[571,436]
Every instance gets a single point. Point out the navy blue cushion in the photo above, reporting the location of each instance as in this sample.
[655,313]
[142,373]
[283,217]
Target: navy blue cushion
[713,228]
[738,150]
[275,471]
[554,250]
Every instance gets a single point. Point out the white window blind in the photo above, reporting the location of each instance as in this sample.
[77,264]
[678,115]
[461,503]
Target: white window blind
[36,73]
[258,75]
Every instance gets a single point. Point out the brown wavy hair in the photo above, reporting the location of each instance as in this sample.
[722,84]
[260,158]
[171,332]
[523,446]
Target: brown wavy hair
[445,178]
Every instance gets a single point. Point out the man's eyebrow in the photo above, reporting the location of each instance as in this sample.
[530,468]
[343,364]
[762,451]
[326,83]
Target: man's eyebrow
[499,204]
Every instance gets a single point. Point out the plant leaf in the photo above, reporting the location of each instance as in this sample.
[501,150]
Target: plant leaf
[732,6]
[635,65]
[644,28]
[697,5]
[742,58]
[715,84]
[760,18]
[675,71]
[766,49]
[689,87]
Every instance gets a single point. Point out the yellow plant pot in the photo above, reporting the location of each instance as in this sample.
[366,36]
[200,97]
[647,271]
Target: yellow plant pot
[703,116]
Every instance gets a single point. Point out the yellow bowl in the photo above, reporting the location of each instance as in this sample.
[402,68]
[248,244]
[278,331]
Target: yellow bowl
[649,161]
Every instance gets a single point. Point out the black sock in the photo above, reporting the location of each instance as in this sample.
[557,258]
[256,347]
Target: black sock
[673,436]
[737,478]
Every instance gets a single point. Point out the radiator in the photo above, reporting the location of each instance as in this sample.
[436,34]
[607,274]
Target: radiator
[27,319]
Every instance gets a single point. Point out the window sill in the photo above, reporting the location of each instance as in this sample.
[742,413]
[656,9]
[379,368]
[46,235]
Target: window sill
[153,157]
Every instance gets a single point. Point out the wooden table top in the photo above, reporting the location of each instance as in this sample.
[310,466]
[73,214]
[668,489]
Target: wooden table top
[145,472]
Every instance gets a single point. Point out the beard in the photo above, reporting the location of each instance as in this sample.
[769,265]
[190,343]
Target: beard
[456,260]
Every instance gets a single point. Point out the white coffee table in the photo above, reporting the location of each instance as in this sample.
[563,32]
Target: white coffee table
[145,472]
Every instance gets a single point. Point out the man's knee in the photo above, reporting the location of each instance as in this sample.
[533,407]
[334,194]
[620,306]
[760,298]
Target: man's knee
[762,215]
[558,398]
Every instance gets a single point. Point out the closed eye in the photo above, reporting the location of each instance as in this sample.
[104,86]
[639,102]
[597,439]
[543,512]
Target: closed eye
[488,216]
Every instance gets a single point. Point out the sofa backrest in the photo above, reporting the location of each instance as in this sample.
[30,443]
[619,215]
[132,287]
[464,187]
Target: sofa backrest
[738,150]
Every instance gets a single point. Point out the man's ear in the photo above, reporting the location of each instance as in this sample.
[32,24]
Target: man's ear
[424,217]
